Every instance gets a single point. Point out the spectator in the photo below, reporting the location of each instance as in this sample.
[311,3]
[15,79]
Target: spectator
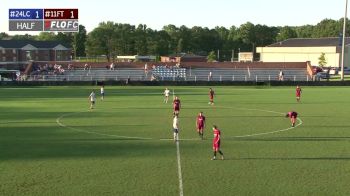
[86,66]
[112,66]
[153,78]
[281,76]
[146,68]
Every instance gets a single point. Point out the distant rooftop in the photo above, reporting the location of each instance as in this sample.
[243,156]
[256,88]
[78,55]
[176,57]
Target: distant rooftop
[38,44]
[311,42]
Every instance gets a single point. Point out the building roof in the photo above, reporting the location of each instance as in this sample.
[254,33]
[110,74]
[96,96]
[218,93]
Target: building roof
[185,55]
[13,44]
[311,42]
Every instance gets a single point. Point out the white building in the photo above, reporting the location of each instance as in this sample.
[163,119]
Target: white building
[306,49]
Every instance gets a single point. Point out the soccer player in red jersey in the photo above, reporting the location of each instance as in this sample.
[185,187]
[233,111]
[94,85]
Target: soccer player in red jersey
[200,122]
[211,96]
[298,93]
[293,116]
[176,105]
[216,142]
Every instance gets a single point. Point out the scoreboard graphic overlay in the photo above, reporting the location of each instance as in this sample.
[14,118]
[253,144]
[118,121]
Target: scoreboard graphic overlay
[49,20]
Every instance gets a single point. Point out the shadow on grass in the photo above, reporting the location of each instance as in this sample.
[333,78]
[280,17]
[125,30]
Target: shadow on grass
[298,139]
[83,148]
[291,158]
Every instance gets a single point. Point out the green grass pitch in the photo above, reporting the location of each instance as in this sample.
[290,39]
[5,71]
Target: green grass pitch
[52,144]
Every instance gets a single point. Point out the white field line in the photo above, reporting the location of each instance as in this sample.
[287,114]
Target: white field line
[266,133]
[93,132]
[167,139]
[178,142]
[181,191]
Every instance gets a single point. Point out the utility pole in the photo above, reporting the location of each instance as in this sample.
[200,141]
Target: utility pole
[343,43]
[218,55]
[233,55]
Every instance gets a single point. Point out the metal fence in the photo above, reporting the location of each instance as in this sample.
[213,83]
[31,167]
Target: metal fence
[261,75]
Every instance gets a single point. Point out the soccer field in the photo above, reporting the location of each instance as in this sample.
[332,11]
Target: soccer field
[52,144]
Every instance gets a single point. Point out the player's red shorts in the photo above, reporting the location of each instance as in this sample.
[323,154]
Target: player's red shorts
[176,108]
[200,126]
[211,98]
[216,146]
[298,94]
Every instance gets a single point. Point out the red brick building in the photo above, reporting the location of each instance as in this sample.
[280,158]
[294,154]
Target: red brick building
[19,52]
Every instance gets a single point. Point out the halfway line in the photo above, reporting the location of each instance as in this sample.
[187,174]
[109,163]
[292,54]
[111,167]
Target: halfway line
[181,191]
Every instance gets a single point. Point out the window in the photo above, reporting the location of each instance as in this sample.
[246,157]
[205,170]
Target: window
[3,51]
[14,51]
[4,58]
[14,59]
[28,55]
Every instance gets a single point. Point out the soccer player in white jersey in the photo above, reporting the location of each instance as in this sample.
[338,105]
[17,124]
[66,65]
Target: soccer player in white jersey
[102,92]
[92,99]
[176,127]
[166,95]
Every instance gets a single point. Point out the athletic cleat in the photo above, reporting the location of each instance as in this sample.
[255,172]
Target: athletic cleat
[222,158]
[214,158]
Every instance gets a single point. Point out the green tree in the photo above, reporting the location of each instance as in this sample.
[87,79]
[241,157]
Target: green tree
[64,37]
[322,60]
[327,28]
[23,37]
[4,35]
[46,36]
[305,31]
[78,42]
[102,41]
[211,57]
[246,32]
[286,32]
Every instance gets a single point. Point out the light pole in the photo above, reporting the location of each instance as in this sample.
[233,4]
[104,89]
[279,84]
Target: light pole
[343,43]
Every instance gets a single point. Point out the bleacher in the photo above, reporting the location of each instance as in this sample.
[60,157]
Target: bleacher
[166,73]
[232,74]
[162,73]
[97,74]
